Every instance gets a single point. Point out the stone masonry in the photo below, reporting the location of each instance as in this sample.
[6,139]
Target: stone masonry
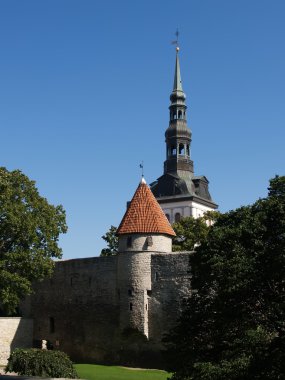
[84,309]
[14,332]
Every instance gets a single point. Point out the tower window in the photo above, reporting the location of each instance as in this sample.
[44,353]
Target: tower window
[156,276]
[173,150]
[181,149]
[179,114]
[131,292]
[177,217]
[129,242]
[149,241]
[131,306]
[168,151]
[188,150]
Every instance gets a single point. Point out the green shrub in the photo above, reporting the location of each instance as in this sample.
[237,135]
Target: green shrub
[45,363]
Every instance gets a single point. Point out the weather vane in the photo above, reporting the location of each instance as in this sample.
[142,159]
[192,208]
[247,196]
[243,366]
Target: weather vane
[175,42]
[141,166]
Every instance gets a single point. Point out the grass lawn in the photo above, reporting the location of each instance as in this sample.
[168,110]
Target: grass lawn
[102,372]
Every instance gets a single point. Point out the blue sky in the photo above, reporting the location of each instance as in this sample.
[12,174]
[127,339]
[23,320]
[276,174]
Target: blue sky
[84,96]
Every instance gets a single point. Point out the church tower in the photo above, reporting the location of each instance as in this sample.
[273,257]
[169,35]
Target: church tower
[178,191]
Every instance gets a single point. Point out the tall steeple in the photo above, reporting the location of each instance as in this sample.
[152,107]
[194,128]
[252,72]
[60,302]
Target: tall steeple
[179,192]
[178,135]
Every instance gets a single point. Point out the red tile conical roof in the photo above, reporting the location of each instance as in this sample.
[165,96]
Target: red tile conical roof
[144,215]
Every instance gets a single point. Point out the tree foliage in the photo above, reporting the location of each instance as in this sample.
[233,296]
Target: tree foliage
[41,363]
[29,231]
[234,324]
[112,242]
[191,232]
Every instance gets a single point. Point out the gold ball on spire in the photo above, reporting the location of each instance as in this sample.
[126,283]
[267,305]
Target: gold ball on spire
[177,49]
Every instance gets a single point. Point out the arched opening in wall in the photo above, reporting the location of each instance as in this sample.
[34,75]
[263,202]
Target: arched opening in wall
[156,276]
[173,150]
[179,114]
[181,149]
[188,150]
[168,151]
[177,217]
[131,306]
[129,242]
[149,241]
[184,113]
[174,116]
[51,325]
[168,217]
[131,292]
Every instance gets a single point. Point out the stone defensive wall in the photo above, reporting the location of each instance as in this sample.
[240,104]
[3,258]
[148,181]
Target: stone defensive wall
[85,308]
[14,333]
[75,310]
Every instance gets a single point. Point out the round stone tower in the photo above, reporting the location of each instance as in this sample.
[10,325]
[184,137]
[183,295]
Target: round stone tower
[144,230]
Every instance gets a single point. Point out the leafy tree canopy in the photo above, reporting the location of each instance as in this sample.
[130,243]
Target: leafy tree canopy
[234,324]
[29,231]
[112,242]
[191,232]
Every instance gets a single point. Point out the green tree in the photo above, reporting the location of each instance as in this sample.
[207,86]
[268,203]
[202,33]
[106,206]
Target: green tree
[233,326]
[112,242]
[191,232]
[41,363]
[29,231]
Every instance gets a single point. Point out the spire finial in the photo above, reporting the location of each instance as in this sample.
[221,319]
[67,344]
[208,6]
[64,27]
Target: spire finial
[176,42]
[177,85]
[141,166]
[143,181]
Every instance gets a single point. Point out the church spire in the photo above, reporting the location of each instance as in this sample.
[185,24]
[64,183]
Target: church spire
[177,85]
[177,96]
[179,192]
[178,135]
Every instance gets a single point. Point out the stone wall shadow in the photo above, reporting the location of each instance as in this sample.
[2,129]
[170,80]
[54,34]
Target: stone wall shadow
[23,336]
